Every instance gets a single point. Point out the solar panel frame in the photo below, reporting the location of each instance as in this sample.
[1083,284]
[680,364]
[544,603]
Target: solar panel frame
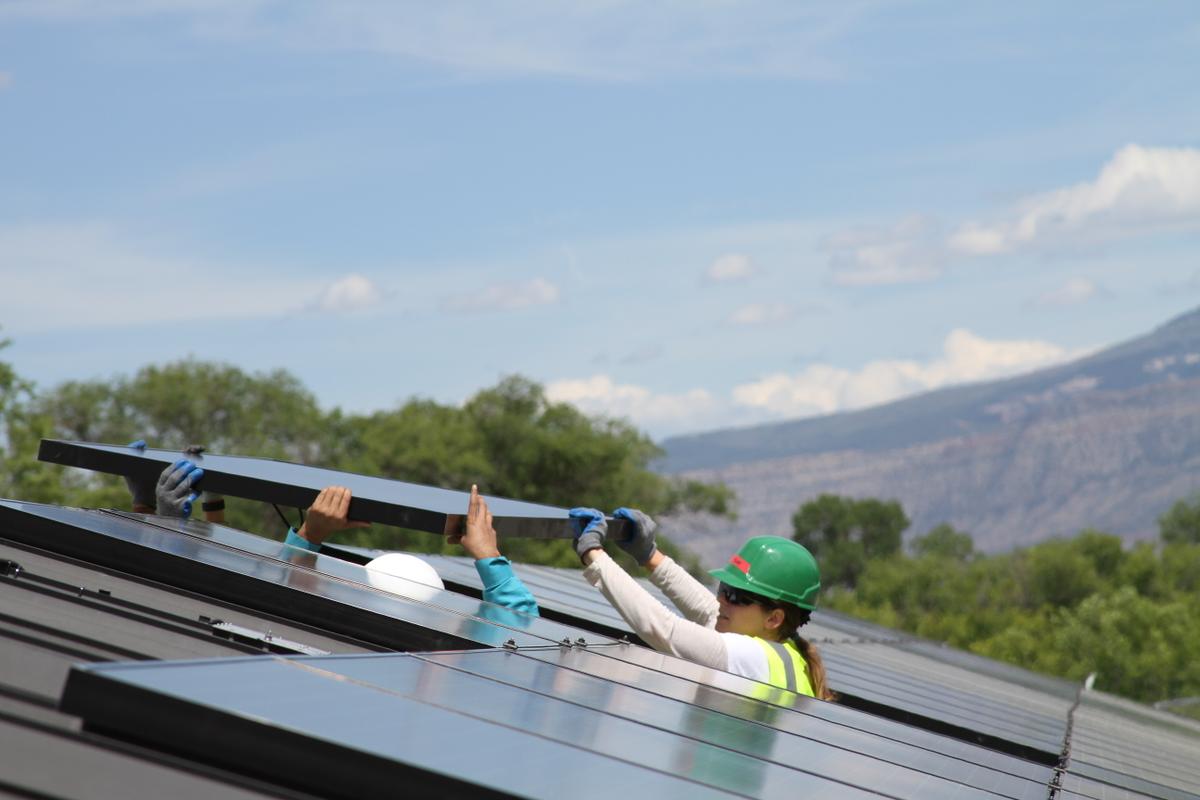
[407,505]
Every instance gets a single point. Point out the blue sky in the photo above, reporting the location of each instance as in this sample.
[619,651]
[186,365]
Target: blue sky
[694,214]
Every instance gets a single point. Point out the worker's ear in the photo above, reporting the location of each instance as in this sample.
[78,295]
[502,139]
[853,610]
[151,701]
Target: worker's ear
[775,619]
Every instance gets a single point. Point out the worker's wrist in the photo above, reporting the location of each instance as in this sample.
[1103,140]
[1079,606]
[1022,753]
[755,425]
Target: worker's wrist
[143,508]
[313,537]
[651,563]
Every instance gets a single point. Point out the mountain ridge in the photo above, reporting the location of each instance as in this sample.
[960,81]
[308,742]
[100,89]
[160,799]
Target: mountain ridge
[1109,440]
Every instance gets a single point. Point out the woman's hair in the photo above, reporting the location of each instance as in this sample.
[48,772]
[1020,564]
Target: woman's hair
[795,618]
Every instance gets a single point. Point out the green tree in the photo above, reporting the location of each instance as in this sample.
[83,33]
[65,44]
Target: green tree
[844,534]
[945,542]
[1181,525]
[1137,647]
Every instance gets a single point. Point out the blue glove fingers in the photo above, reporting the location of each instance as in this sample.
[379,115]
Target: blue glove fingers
[183,469]
[627,515]
[137,444]
[585,519]
[187,504]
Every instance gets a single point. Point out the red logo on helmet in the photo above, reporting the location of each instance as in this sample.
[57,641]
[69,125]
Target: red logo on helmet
[741,563]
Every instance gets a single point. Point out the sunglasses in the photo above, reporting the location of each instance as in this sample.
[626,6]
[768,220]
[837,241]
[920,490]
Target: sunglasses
[740,597]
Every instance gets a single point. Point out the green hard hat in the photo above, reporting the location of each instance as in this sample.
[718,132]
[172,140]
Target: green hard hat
[776,568]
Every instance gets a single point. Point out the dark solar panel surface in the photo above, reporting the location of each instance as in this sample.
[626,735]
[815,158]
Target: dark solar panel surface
[348,738]
[407,505]
[617,726]
[277,578]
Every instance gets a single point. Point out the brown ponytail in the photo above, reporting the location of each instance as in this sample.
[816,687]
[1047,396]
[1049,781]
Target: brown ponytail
[794,619]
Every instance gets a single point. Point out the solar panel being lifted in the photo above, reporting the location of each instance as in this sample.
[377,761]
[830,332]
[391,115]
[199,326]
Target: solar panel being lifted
[407,505]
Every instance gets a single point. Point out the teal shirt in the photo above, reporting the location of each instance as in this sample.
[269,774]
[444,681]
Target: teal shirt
[500,584]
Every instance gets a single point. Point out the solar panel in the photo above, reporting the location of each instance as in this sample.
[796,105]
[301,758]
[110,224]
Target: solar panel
[1001,712]
[269,576]
[302,725]
[408,505]
[1124,744]
[540,719]
[809,743]
[730,694]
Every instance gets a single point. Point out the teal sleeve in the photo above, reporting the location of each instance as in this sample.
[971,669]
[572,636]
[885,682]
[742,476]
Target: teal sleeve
[502,586]
[296,540]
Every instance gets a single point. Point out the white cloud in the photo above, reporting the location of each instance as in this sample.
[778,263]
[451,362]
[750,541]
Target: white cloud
[74,275]
[762,314]
[597,39]
[504,297]
[731,267]
[907,252]
[351,293]
[1073,292]
[825,389]
[1140,189]
[662,413]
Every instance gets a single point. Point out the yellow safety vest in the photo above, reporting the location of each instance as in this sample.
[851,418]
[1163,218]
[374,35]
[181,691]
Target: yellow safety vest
[788,669]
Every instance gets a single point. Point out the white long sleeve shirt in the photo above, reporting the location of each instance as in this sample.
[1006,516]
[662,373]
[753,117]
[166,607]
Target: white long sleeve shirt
[692,638]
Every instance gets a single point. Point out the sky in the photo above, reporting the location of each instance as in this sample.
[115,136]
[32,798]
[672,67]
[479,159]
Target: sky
[694,214]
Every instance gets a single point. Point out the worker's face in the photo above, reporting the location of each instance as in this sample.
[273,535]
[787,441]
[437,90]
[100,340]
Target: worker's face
[750,619]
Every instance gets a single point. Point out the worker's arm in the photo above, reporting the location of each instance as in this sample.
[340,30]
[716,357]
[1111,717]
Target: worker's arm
[502,586]
[689,595]
[478,537]
[650,619]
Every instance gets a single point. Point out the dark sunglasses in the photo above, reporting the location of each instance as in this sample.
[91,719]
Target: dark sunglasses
[740,597]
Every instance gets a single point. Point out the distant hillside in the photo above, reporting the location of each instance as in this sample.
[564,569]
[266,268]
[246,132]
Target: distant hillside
[1109,441]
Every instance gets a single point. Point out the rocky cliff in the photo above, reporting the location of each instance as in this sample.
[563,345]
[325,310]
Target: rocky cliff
[1109,441]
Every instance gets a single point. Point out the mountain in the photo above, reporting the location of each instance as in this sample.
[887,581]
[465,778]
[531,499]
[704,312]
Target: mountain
[1108,441]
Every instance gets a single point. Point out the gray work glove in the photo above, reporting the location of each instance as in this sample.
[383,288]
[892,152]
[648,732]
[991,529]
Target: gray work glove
[175,492]
[640,542]
[590,529]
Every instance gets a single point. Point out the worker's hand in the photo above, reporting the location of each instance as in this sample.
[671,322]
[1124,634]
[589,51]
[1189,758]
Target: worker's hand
[640,540]
[175,491]
[328,515]
[590,529]
[478,538]
[212,503]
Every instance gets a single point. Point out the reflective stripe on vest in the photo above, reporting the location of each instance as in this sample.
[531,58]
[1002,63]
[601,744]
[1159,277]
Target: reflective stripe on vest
[787,667]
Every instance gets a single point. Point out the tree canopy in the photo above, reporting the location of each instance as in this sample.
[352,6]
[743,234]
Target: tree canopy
[844,534]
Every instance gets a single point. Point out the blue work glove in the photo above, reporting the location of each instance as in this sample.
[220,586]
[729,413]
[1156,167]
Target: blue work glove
[640,541]
[590,529]
[175,494]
